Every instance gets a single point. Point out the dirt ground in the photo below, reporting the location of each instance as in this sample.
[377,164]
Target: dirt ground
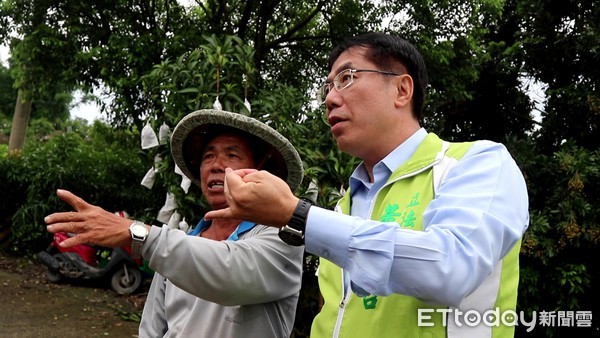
[32,307]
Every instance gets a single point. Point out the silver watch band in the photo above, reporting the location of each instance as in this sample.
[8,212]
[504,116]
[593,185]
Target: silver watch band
[136,248]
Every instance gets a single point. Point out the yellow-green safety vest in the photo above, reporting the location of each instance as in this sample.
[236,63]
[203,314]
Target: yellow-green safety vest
[408,191]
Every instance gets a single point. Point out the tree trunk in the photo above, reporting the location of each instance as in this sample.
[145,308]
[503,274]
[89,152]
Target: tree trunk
[19,124]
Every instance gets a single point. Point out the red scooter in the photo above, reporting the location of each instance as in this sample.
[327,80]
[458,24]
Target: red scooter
[92,262]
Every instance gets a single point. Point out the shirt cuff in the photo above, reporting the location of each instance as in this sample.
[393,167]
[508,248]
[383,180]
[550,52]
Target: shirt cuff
[327,235]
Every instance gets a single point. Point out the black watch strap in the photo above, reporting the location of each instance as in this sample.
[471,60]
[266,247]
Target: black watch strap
[293,232]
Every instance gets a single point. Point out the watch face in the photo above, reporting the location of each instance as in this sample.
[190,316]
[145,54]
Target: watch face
[139,230]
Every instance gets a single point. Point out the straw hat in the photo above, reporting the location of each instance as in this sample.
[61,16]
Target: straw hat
[195,130]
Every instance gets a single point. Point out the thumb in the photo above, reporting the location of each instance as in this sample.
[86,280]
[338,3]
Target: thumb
[233,181]
[221,213]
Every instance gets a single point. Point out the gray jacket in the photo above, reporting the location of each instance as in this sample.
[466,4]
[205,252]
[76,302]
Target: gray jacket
[226,289]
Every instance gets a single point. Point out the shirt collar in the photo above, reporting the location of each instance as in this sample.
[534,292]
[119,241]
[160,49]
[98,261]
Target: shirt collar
[243,227]
[388,164]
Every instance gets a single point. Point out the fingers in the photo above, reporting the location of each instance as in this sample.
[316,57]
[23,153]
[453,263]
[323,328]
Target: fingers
[76,228]
[70,227]
[73,200]
[242,172]
[73,241]
[106,233]
[233,179]
[70,216]
[90,224]
[64,217]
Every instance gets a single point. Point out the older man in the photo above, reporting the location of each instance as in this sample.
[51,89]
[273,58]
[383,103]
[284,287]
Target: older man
[226,278]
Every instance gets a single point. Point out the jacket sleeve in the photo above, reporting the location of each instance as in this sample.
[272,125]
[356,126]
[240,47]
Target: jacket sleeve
[257,268]
[154,319]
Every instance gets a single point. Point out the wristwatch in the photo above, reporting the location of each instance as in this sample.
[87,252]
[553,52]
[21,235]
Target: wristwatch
[293,232]
[139,232]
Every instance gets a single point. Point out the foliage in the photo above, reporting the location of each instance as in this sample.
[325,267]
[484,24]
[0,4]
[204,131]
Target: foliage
[560,46]
[115,43]
[52,105]
[562,157]
[8,95]
[564,230]
[101,166]
[5,124]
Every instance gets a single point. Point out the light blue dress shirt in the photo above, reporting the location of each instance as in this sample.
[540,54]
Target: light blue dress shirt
[479,211]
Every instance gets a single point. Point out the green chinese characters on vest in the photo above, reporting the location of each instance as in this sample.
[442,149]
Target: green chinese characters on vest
[405,218]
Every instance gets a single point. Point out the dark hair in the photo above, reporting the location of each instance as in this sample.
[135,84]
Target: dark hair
[386,51]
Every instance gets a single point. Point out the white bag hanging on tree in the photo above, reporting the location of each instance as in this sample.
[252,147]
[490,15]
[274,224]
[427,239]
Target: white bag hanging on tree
[183,225]
[247,104]
[185,184]
[164,215]
[157,159]
[174,220]
[185,181]
[163,133]
[149,138]
[149,178]
[217,104]
[178,170]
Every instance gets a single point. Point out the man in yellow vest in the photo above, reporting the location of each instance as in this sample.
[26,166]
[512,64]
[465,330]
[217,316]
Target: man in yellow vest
[425,241]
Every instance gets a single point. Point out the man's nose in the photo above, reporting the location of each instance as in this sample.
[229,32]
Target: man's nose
[218,165]
[332,100]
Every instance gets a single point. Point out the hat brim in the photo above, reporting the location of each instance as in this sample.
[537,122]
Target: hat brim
[190,135]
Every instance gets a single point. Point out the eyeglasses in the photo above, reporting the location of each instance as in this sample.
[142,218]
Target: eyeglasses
[343,80]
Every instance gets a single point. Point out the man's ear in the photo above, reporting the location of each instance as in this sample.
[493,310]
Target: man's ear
[405,86]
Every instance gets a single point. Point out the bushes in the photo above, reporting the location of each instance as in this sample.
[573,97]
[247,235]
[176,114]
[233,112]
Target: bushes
[13,188]
[558,268]
[101,165]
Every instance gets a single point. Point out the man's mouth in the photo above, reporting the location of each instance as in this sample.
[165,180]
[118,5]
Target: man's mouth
[216,185]
[333,120]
